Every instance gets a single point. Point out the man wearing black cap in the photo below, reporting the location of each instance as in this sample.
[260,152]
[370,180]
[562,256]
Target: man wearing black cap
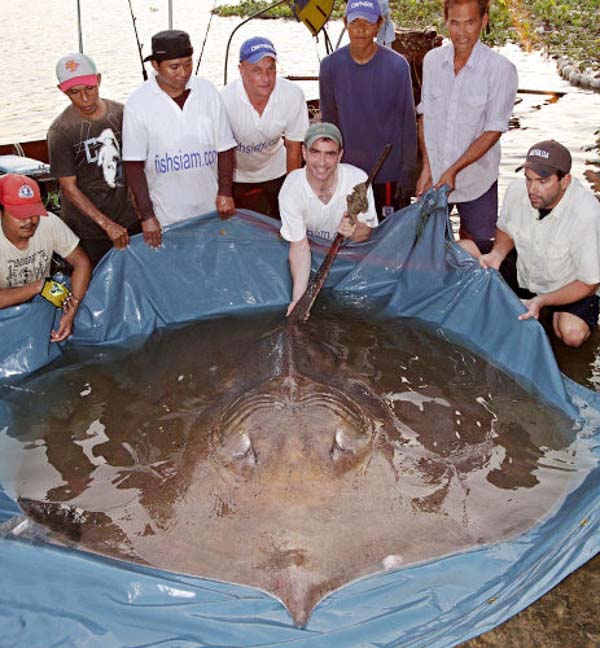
[553,223]
[178,146]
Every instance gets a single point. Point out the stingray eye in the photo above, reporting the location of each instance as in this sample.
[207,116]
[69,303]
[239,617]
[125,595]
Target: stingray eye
[342,445]
[245,450]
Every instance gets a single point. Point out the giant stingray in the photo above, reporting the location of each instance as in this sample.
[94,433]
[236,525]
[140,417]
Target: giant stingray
[290,458]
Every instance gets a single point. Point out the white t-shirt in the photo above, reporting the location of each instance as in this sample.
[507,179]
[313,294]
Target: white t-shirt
[260,153]
[562,247]
[21,267]
[302,212]
[179,147]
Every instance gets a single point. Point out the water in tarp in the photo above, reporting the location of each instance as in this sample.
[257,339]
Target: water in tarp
[221,450]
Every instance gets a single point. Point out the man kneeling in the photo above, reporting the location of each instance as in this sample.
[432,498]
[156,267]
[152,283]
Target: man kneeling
[312,201]
[553,223]
[29,235]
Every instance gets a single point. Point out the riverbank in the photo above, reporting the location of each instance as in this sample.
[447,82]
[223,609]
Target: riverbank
[563,28]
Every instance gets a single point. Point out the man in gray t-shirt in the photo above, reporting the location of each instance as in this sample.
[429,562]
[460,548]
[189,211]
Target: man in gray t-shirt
[84,143]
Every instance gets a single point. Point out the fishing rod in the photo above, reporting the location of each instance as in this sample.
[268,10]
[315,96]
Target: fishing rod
[79,31]
[212,13]
[137,40]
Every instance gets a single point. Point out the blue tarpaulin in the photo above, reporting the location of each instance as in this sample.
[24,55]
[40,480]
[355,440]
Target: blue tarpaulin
[208,267]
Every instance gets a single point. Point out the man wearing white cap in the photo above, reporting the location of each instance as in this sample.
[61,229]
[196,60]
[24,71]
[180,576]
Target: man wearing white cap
[84,143]
[268,116]
[177,143]
[312,201]
[547,243]
[29,235]
[366,91]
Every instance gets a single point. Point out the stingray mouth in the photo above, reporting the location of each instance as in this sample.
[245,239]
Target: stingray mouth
[293,425]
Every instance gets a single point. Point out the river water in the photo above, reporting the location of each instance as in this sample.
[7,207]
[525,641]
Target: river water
[34,39]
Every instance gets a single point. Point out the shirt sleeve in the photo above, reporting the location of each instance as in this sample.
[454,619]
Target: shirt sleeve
[297,121]
[224,139]
[510,198]
[586,244]
[62,157]
[293,228]
[327,103]
[135,135]
[65,241]
[503,84]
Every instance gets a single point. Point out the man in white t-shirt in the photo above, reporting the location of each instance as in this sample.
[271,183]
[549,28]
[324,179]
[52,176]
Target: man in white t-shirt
[312,201]
[29,235]
[178,147]
[268,116]
[547,243]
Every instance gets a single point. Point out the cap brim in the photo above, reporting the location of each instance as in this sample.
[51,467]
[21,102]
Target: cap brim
[86,80]
[541,169]
[259,56]
[23,212]
[357,14]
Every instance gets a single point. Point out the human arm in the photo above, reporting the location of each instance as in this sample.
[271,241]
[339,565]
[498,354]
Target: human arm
[478,148]
[569,293]
[357,232]
[425,180]
[327,103]
[115,232]
[20,294]
[82,269]
[299,258]
[293,155]
[224,201]
[138,185]
[503,244]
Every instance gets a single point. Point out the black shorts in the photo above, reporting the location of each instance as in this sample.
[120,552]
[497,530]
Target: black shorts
[587,309]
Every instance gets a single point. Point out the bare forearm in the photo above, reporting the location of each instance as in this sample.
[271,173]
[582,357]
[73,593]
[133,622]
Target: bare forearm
[77,198]
[226,162]
[19,295]
[82,270]
[299,258]
[361,233]
[477,150]
[568,294]
[293,155]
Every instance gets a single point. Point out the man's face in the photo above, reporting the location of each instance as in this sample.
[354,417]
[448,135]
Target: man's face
[361,32]
[545,193]
[259,78]
[322,159]
[85,98]
[173,75]
[16,229]
[465,24]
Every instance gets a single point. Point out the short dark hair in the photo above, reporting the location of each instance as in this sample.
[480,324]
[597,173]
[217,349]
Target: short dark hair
[484,6]
[560,174]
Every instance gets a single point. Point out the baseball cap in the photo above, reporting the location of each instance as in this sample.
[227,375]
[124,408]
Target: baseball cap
[367,9]
[21,196]
[256,48]
[76,69]
[322,130]
[546,158]
[170,44]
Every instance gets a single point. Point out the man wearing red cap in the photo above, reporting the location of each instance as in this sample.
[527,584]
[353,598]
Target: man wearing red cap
[547,243]
[84,143]
[29,235]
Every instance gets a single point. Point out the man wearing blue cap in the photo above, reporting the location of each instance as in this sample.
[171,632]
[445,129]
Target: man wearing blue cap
[366,90]
[268,116]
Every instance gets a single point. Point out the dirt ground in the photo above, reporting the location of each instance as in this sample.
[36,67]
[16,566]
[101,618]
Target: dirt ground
[568,616]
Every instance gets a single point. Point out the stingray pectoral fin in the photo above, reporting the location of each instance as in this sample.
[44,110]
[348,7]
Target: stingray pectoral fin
[62,519]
